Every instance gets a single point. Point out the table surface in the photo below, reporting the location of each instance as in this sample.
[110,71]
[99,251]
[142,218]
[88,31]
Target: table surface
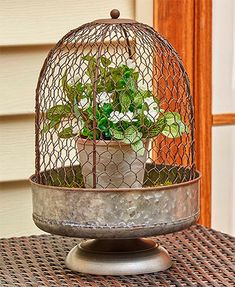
[201,257]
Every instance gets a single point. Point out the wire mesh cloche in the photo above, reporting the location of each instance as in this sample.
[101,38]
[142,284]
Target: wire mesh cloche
[114,146]
[113,110]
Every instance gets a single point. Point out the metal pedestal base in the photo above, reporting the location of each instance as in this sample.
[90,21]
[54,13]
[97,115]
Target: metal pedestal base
[118,257]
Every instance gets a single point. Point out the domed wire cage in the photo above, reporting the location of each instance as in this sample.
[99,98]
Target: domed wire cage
[114,110]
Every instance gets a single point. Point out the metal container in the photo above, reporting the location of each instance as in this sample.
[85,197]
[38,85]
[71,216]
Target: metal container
[116,218]
[115,213]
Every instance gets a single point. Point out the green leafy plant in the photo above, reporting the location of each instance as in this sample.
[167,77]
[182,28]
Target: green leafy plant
[124,111]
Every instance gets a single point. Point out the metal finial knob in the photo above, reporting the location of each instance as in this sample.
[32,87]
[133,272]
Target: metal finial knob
[115,13]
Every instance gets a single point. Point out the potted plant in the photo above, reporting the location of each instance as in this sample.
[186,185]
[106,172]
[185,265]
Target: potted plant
[127,117]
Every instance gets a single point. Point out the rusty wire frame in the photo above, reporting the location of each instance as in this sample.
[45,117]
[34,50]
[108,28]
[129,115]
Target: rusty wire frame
[168,160]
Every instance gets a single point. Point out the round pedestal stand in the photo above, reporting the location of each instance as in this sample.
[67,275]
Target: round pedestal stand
[94,213]
[118,257]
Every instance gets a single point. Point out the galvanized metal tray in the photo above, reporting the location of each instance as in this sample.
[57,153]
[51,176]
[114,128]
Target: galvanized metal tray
[117,213]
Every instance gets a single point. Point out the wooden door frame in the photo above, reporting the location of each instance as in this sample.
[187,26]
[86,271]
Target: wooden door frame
[187,24]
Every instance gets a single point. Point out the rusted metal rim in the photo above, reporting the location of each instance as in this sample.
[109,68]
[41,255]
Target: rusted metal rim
[114,21]
[154,188]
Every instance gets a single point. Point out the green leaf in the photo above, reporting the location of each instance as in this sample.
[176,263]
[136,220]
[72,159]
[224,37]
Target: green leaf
[121,84]
[105,62]
[172,131]
[72,91]
[79,88]
[91,66]
[138,147]
[88,58]
[107,109]
[125,102]
[76,109]
[91,70]
[138,100]
[88,133]
[148,94]
[66,133]
[156,128]
[59,110]
[155,131]
[65,83]
[54,122]
[90,113]
[103,124]
[107,135]
[85,132]
[127,75]
[174,127]
[118,135]
[136,76]
[67,89]
[132,135]
[172,117]
[46,128]
[183,128]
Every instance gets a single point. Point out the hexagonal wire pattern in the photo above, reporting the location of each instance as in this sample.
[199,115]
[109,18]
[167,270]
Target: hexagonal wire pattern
[97,82]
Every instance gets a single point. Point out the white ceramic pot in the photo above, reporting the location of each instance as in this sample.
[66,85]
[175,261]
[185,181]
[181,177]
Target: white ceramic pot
[117,165]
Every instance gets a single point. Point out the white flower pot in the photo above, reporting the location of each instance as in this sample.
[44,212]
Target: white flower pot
[117,165]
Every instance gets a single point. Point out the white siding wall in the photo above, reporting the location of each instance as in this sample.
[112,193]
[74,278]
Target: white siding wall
[28,30]
[223,159]
[45,22]
[16,210]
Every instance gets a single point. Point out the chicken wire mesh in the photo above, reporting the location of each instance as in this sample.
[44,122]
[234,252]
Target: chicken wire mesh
[114,110]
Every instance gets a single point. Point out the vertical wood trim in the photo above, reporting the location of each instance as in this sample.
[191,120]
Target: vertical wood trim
[174,19]
[187,26]
[202,90]
[169,12]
